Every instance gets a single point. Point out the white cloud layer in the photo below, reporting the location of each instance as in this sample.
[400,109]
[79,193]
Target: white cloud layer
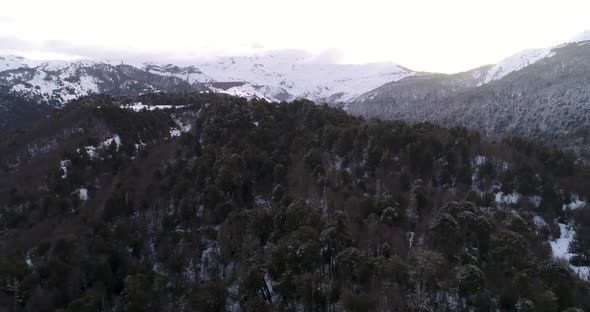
[446,36]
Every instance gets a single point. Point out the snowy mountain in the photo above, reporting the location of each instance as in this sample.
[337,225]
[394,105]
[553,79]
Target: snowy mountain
[276,76]
[529,57]
[517,62]
[581,37]
[542,94]
[56,82]
[550,84]
[286,75]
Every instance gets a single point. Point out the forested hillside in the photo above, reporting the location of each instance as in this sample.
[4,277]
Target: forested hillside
[204,202]
[548,100]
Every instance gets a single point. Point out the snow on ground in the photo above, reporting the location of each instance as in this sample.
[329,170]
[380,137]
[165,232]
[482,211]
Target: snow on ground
[92,150]
[232,302]
[575,203]
[189,74]
[517,62]
[175,132]
[138,106]
[560,246]
[247,90]
[64,167]
[410,236]
[106,143]
[261,201]
[12,62]
[294,72]
[43,81]
[184,127]
[535,200]
[180,127]
[479,160]
[83,193]
[28,259]
[506,199]
[207,260]
[539,222]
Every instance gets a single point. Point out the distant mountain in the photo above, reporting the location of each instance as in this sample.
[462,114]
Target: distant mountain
[277,76]
[288,75]
[542,94]
[57,82]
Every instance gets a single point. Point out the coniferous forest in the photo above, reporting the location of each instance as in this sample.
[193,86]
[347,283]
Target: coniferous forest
[208,202]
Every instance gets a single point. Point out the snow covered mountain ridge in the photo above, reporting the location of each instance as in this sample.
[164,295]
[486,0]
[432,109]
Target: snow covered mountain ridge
[276,76]
[525,58]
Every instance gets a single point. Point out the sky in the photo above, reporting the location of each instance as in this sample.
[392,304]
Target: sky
[427,35]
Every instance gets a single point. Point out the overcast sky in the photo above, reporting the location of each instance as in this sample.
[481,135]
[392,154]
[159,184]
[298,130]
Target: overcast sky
[435,35]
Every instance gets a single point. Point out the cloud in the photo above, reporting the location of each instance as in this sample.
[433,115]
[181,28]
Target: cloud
[6,20]
[67,50]
[257,46]
[60,49]
[13,43]
[329,56]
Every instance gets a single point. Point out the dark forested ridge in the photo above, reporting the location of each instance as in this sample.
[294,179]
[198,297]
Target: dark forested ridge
[223,204]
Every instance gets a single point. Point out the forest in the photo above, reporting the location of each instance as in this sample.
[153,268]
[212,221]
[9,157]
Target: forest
[220,203]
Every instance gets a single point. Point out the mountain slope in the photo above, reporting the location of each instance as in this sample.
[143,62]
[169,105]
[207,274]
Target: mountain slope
[277,76]
[286,75]
[264,207]
[547,99]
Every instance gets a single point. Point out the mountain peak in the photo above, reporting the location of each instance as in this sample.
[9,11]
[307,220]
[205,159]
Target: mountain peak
[583,36]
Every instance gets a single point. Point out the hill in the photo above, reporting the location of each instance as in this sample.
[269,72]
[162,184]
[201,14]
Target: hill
[206,202]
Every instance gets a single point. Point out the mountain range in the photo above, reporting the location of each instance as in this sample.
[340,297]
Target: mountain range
[540,93]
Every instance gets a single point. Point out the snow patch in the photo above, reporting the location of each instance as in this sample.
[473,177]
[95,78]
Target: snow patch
[535,200]
[106,143]
[539,222]
[138,106]
[479,160]
[91,151]
[83,193]
[560,249]
[576,203]
[517,62]
[175,132]
[506,199]
[64,167]
[28,259]
[411,236]
[207,259]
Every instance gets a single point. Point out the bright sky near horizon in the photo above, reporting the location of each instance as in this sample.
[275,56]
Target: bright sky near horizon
[429,35]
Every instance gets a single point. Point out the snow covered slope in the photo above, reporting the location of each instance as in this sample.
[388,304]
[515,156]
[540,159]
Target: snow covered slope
[584,36]
[528,57]
[57,82]
[276,76]
[287,75]
[517,62]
